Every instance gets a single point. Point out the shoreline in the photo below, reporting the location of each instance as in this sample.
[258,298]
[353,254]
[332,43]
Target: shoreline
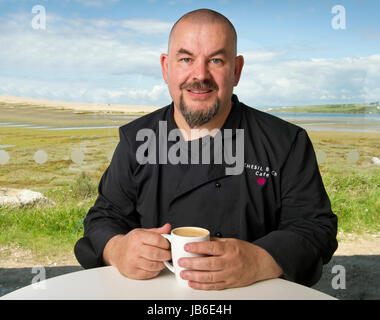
[59,115]
[76,106]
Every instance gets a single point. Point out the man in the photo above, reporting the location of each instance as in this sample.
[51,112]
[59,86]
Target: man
[272,219]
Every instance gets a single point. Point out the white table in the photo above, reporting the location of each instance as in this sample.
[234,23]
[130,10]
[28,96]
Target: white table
[107,283]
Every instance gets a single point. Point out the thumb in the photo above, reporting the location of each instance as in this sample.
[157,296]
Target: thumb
[164,229]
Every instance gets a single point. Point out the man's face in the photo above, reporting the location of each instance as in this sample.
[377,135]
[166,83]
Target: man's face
[200,69]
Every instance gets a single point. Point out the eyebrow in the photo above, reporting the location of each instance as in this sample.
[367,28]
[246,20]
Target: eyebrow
[184,51]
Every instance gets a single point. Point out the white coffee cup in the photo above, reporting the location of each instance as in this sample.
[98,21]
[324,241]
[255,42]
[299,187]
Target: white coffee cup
[178,238]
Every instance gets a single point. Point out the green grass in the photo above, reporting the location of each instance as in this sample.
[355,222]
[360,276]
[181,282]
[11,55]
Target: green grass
[353,188]
[333,108]
[71,186]
[355,200]
[52,228]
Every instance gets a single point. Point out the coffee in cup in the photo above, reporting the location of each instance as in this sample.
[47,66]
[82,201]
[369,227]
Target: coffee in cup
[190,232]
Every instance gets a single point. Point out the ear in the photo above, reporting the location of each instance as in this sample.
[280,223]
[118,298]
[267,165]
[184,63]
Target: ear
[164,66]
[239,63]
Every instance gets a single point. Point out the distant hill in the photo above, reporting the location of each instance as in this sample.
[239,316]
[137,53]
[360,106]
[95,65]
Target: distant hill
[370,108]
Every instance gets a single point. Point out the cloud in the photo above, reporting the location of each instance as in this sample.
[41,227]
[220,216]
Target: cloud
[81,46]
[83,91]
[118,61]
[83,59]
[262,55]
[310,81]
[372,36]
[147,26]
[96,3]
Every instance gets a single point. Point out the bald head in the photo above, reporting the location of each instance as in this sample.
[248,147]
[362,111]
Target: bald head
[207,16]
[201,69]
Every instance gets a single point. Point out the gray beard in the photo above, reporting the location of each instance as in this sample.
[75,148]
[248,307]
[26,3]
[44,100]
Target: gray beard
[199,117]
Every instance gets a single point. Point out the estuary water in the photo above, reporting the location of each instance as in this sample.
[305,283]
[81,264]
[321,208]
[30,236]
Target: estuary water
[309,121]
[333,121]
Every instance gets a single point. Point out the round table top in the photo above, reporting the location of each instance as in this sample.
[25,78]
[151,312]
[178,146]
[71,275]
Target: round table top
[107,283]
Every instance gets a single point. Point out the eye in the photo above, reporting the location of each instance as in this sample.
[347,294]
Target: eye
[216,61]
[186,60]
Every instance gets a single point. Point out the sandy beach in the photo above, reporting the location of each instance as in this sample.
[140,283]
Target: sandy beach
[77,106]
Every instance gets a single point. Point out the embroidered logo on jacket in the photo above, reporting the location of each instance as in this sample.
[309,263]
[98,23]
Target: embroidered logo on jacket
[261,172]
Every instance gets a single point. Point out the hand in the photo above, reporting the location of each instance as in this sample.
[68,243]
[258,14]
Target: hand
[232,263]
[140,253]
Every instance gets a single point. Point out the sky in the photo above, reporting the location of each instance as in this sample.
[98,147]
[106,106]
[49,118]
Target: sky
[297,52]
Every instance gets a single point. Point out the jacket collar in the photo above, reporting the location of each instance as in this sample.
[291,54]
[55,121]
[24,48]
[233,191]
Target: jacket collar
[205,173]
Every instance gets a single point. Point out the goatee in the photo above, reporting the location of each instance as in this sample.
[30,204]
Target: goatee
[199,117]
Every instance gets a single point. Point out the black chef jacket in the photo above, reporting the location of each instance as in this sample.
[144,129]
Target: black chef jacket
[278,202]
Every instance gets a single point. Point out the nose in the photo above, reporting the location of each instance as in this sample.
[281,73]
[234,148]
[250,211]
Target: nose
[200,71]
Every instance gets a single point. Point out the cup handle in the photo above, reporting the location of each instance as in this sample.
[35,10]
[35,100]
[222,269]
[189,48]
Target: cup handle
[166,263]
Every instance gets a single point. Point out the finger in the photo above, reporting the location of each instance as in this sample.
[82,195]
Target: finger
[219,239]
[154,239]
[164,229]
[207,286]
[202,263]
[149,265]
[203,276]
[155,253]
[213,248]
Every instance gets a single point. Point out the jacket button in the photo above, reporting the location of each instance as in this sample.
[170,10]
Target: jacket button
[218,234]
[217,184]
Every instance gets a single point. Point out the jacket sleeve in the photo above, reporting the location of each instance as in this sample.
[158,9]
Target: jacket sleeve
[114,209]
[306,234]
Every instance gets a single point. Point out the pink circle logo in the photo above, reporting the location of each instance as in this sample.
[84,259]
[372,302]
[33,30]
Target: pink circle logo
[261,181]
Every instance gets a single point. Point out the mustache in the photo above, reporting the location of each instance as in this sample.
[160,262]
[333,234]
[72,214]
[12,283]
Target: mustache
[205,84]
